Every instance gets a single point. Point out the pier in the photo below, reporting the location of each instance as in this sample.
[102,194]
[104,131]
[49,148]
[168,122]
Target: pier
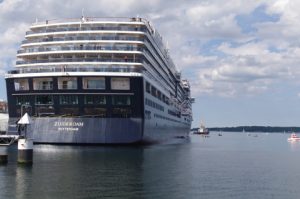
[25,142]
[5,142]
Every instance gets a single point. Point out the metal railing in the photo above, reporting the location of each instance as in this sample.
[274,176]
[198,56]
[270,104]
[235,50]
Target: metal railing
[80,60]
[78,69]
[89,48]
[105,28]
[22,88]
[87,19]
[43,87]
[90,38]
[67,87]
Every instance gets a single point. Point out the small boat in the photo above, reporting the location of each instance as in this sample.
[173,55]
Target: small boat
[293,138]
[202,130]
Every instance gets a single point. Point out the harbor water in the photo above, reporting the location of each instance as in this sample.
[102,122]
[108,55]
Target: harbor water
[233,165]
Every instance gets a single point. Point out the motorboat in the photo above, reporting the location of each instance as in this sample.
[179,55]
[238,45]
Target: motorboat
[293,138]
[202,130]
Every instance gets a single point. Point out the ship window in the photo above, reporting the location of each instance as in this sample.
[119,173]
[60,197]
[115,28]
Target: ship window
[94,83]
[94,99]
[121,112]
[44,111]
[167,101]
[67,83]
[42,84]
[54,57]
[68,99]
[121,100]
[147,114]
[159,95]
[153,91]
[22,100]
[95,112]
[43,99]
[24,109]
[79,57]
[147,87]
[120,83]
[69,111]
[21,84]
[68,56]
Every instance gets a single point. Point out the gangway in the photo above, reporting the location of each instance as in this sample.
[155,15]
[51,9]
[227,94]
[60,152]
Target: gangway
[6,140]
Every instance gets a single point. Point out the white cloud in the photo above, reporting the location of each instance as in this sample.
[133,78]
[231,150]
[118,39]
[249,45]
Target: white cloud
[278,6]
[13,34]
[286,29]
[251,49]
[191,60]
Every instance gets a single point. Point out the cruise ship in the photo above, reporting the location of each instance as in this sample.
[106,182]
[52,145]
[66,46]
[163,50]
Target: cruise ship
[97,81]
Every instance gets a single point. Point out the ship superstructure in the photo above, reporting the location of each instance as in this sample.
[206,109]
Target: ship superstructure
[98,80]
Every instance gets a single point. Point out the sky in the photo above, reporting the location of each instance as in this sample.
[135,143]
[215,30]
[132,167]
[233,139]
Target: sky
[242,57]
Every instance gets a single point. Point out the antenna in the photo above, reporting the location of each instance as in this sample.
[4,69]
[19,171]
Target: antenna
[82,16]
[82,12]
[167,45]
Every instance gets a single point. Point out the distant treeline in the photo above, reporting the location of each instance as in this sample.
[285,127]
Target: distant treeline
[254,129]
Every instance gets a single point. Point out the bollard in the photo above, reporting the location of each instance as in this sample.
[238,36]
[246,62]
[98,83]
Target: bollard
[25,151]
[3,154]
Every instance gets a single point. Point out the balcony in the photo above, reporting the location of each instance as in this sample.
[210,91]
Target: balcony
[93,83]
[91,19]
[85,38]
[80,60]
[67,83]
[42,84]
[83,48]
[89,27]
[43,87]
[21,84]
[135,69]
